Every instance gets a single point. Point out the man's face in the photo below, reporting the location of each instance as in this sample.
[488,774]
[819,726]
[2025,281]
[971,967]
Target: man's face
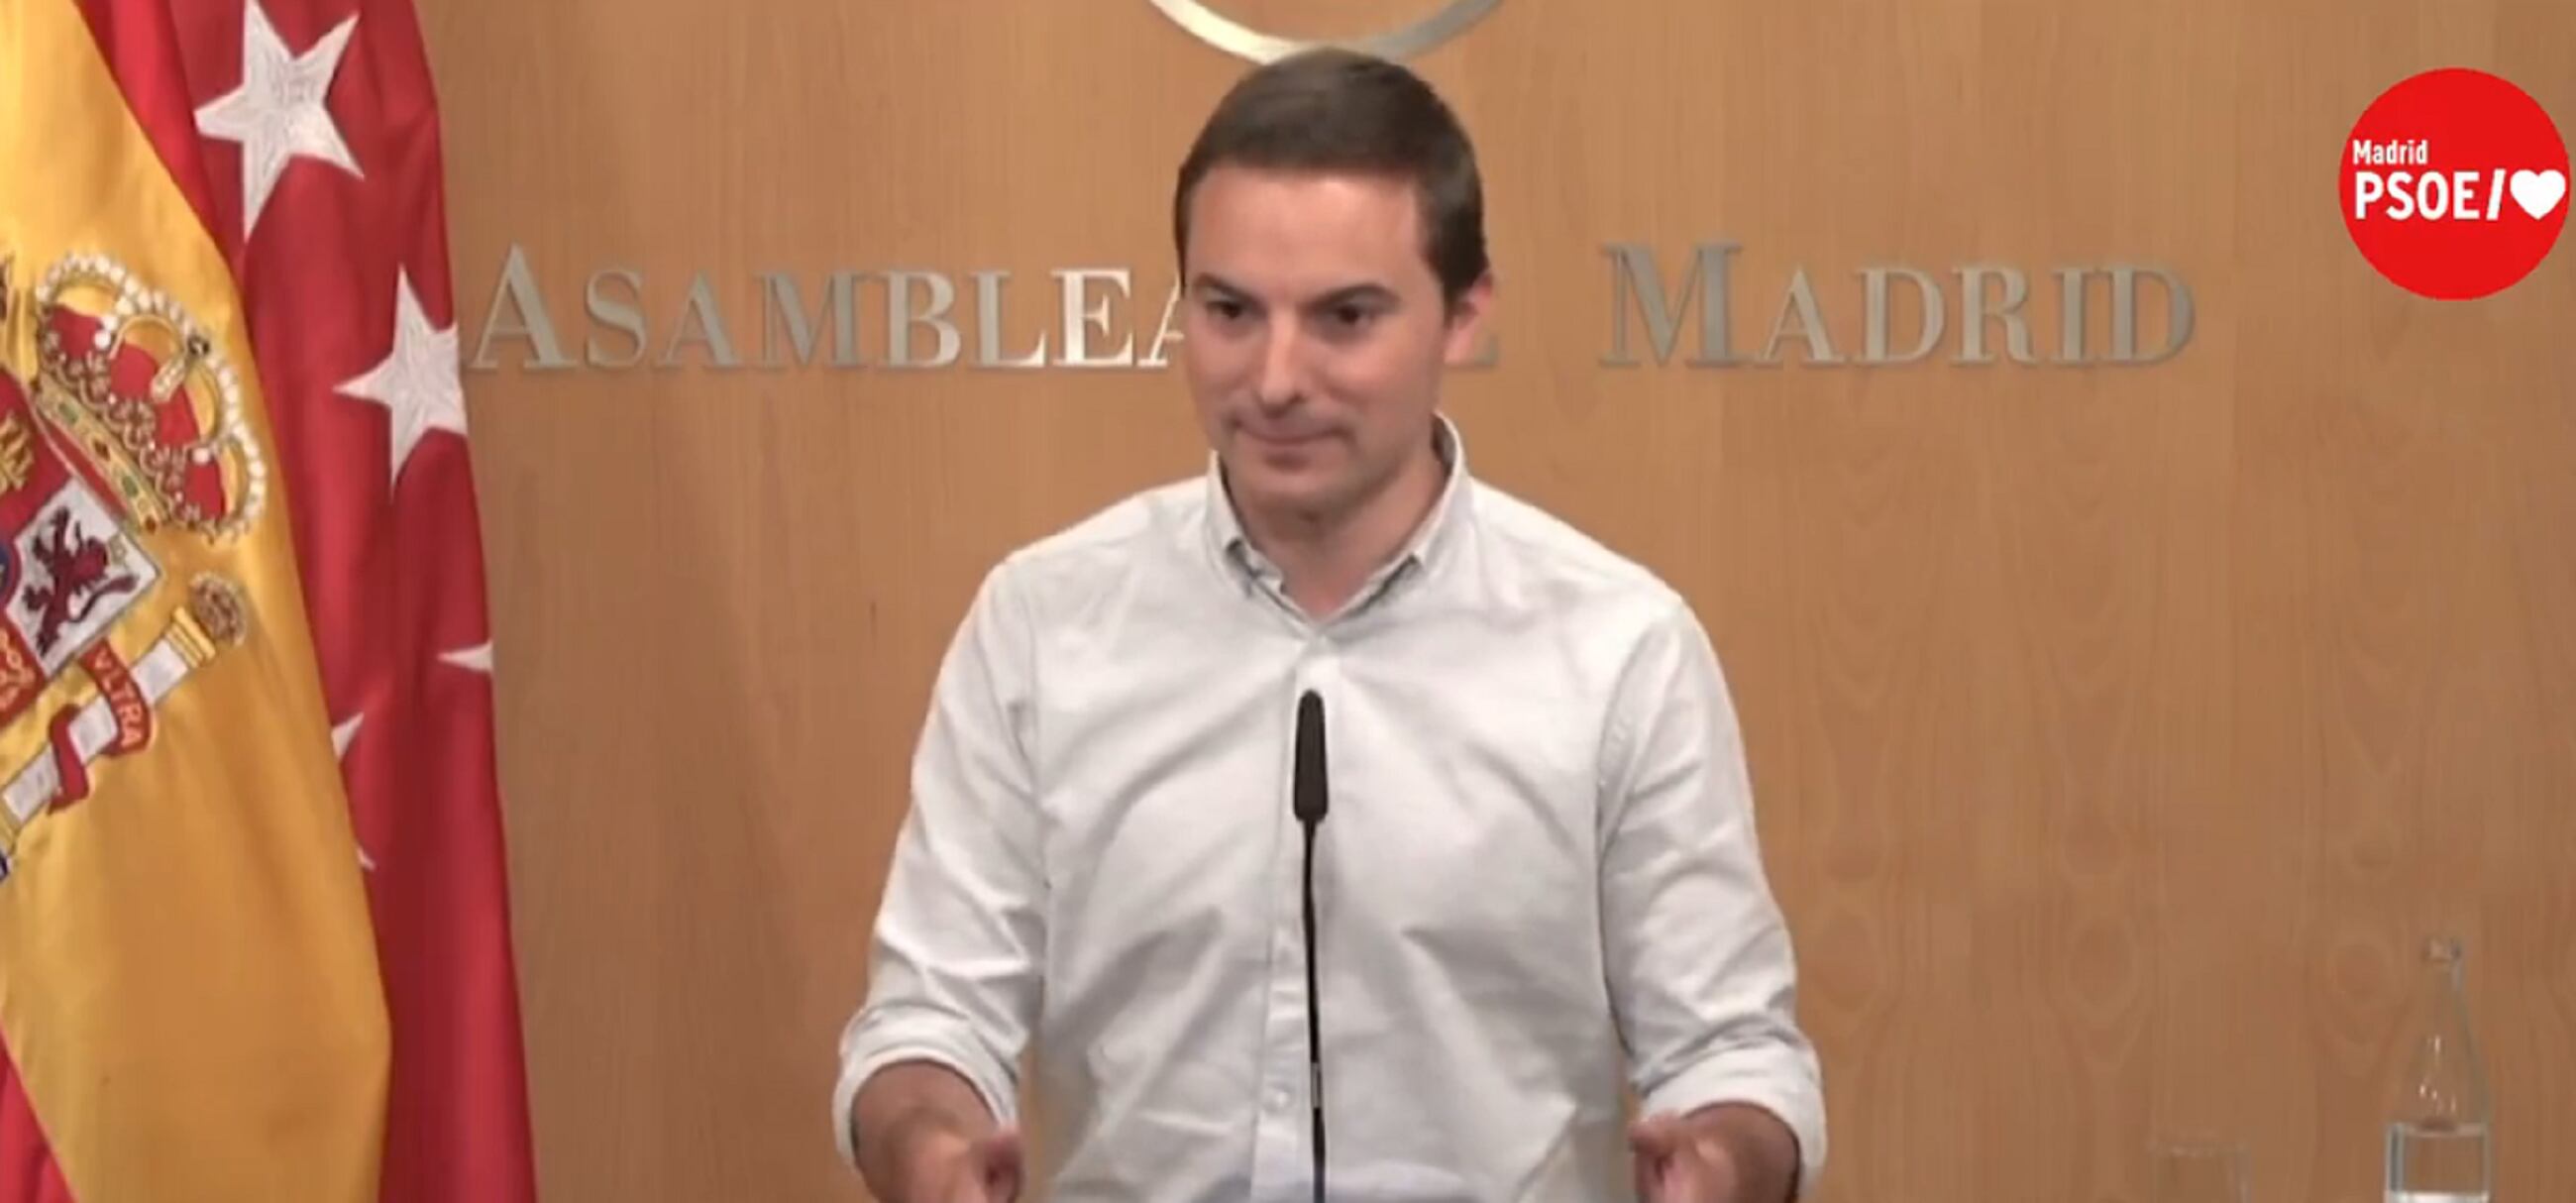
[1313,335]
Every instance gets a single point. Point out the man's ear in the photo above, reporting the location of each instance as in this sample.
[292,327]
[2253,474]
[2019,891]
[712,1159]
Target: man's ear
[1470,324]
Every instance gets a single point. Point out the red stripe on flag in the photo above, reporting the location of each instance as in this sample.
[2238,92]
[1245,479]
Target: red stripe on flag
[27,1170]
[142,44]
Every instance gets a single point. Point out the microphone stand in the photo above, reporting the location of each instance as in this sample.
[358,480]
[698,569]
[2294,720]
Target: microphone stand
[1311,796]
[1314,1017]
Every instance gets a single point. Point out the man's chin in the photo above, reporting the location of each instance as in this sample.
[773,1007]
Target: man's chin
[1259,485]
[1279,465]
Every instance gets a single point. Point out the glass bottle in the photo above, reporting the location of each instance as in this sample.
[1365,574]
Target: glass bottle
[2437,1122]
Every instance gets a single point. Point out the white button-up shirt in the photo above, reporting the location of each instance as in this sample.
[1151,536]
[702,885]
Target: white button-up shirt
[1538,881]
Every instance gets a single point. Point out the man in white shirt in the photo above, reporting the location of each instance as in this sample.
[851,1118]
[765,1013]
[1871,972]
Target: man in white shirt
[1536,883]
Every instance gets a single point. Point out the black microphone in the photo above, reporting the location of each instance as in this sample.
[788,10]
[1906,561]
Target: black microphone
[1310,794]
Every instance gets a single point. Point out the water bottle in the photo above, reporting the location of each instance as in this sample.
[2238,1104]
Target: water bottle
[2438,1141]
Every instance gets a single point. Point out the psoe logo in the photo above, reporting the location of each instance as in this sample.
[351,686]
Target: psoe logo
[1205,23]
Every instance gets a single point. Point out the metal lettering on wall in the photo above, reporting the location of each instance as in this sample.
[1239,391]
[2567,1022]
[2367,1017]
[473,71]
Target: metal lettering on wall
[1662,310]
[1990,296]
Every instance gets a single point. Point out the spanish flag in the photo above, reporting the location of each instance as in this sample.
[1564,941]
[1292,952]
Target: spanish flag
[253,917]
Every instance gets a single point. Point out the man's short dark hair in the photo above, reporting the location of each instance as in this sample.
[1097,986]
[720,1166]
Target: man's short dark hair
[1339,110]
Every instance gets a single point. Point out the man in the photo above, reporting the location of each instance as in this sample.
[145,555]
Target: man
[1537,880]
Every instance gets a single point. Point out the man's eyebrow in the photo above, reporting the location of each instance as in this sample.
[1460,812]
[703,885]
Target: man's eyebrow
[1211,282]
[1349,293]
[1365,291]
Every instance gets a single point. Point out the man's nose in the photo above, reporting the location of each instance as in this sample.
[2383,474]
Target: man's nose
[1280,381]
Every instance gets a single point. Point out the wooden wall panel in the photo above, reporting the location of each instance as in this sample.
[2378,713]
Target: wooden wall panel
[2118,729]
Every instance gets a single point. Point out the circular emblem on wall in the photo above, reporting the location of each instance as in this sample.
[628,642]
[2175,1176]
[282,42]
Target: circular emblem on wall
[2454,183]
[1204,22]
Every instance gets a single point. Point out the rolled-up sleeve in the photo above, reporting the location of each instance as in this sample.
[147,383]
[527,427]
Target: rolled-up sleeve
[954,961]
[1698,952]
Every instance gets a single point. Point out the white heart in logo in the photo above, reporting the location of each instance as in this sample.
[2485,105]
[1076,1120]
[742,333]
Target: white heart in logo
[2538,192]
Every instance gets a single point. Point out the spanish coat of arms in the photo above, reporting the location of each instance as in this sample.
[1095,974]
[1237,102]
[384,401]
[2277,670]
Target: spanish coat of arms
[125,444]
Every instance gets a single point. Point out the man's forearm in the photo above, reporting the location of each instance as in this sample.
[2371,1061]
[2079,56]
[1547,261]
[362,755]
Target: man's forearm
[1763,1148]
[903,1105]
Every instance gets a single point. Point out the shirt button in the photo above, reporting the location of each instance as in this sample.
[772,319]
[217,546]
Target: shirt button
[1278,1100]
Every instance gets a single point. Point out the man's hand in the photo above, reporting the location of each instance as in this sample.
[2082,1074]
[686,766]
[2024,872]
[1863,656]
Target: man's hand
[1726,1153]
[949,1168]
[1682,1161]
[924,1136]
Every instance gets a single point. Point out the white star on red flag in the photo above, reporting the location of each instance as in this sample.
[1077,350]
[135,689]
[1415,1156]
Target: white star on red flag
[342,736]
[417,380]
[277,112]
[477,658]
[393,576]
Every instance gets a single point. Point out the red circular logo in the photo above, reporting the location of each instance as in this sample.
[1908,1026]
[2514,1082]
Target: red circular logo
[2454,184]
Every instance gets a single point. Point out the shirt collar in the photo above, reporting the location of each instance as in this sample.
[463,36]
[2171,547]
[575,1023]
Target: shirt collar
[1437,532]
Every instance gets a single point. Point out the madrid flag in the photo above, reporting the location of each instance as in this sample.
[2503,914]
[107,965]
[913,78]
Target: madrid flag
[254,938]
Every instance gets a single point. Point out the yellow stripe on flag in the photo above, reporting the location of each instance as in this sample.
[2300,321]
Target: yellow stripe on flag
[188,982]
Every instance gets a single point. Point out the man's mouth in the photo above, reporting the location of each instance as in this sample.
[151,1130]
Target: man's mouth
[1283,438]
